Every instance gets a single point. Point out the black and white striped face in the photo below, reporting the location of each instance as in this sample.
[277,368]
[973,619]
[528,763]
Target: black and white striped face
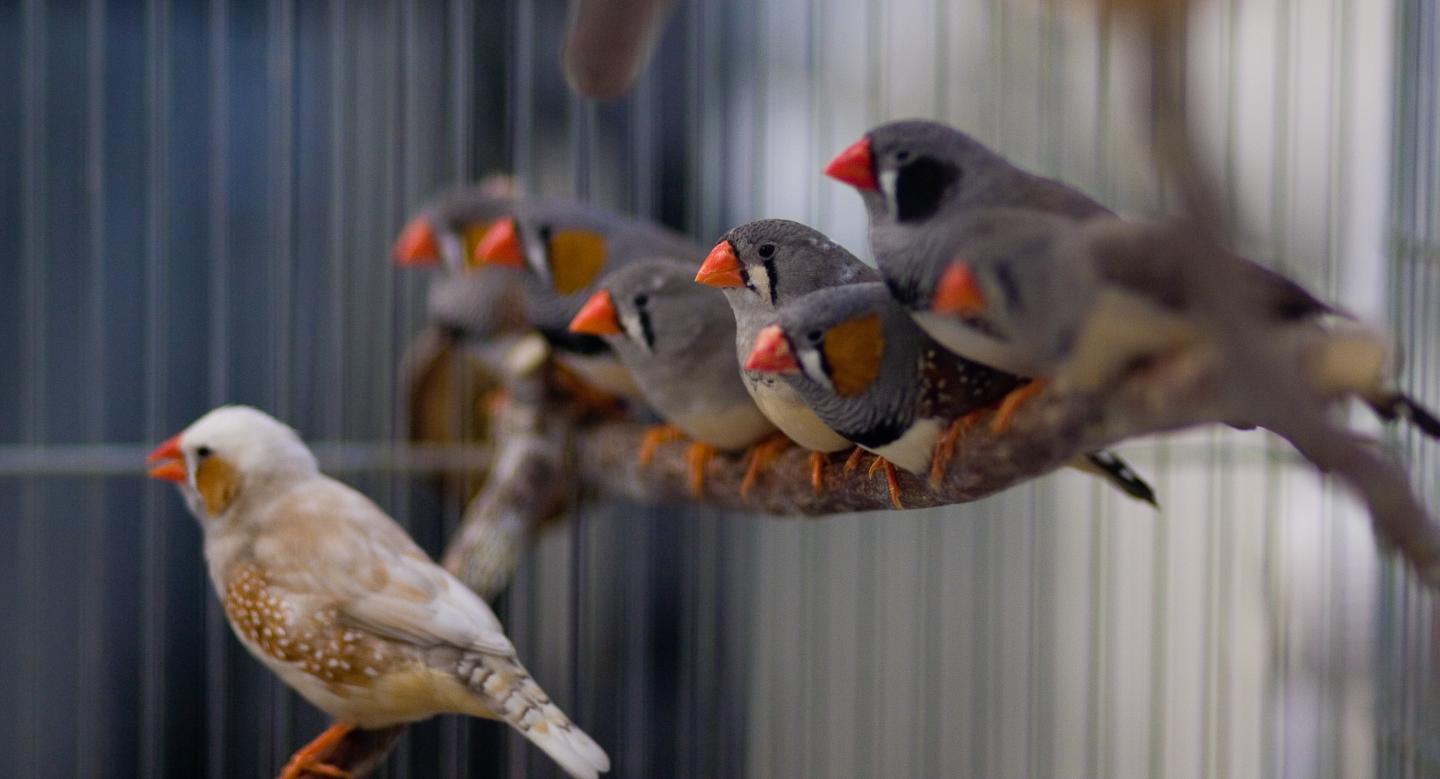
[779,261]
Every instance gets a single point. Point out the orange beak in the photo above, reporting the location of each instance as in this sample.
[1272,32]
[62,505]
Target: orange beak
[958,292]
[854,166]
[771,353]
[167,461]
[597,316]
[501,245]
[721,268]
[416,244]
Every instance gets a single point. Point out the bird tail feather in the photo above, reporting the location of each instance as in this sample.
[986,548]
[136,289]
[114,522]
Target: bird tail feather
[1398,405]
[1113,469]
[513,696]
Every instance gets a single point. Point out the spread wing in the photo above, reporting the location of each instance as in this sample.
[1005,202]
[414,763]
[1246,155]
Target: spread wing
[354,558]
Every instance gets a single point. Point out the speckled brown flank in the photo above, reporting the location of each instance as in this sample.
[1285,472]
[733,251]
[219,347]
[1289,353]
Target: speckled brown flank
[318,642]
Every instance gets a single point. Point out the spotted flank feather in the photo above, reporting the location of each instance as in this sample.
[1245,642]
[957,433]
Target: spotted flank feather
[514,697]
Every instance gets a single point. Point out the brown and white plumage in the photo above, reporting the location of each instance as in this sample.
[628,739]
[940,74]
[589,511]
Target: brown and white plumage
[333,596]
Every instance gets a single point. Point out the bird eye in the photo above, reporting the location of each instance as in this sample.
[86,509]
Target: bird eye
[641,299]
[902,155]
[814,336]
[203,452]
[766,250]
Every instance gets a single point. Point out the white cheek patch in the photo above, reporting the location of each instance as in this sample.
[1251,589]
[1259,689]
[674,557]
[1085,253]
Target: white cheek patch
[630,321]
[452,252]
[814,368]
[759,281]
[887,188]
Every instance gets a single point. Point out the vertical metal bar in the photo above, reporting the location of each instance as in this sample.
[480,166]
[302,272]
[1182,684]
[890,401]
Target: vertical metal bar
[92,648]
[33,218]
[153,708]
[216,630]
[341,198]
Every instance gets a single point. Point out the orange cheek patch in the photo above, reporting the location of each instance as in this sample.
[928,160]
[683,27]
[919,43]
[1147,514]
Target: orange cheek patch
[576,257]
[853,350]
[218,483]
[474,234]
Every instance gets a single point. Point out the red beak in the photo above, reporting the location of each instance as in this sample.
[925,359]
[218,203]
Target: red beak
[597,317]
[958,292]
[416,244]
[721,267]
[168,462]
[501,245]
[854,166]
[771,353]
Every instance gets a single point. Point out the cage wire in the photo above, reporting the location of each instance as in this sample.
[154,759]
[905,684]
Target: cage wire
[195,203]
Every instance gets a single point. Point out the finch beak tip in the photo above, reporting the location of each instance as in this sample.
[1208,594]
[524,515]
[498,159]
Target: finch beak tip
[721,268]
[958,292]
[854,166]
[501,245]
[167,461]
[597,316]
[771,353]
[416,245]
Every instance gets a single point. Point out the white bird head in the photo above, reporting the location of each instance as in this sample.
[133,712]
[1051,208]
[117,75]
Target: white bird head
[224,452]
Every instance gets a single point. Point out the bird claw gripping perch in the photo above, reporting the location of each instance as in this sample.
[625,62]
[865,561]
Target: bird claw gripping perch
[655,437]
[761,456]
[1012,403]
[307,760]
[892,480]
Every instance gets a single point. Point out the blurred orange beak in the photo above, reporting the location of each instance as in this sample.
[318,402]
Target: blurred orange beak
[771,353]
[167,462]
[854,166]
[501,245]
[721,268]
[597,317]
[416,244]
[958,292]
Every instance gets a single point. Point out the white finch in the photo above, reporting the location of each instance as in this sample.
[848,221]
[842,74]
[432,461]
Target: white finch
[330,594]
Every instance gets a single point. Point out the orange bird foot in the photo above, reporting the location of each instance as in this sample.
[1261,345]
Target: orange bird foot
[654,437]
[892,479]
[853,461]
[817,471]
[1011,403]
[760,456]
[945,449]
[698,459]
[307,760]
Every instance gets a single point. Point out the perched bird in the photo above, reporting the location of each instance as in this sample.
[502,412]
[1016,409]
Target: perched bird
[564,247]
[329,593]
[761,266]
[923,183]
[872,376]
[919,180]
[675,337]
[1086,300]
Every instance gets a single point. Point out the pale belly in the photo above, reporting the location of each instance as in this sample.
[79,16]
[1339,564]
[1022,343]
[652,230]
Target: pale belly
[913,451]
[977,346]
[787,410]
[728,429]
[604,372]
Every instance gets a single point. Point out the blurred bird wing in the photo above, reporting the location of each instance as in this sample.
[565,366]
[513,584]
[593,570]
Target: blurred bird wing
[356,558]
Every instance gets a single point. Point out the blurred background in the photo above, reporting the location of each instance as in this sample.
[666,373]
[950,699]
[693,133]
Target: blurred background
[196,205]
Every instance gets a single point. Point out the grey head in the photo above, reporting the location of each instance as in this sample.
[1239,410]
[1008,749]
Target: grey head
[674,335]
[448,227]
[922,176]
[765,264]
[566,246]
[854,355]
